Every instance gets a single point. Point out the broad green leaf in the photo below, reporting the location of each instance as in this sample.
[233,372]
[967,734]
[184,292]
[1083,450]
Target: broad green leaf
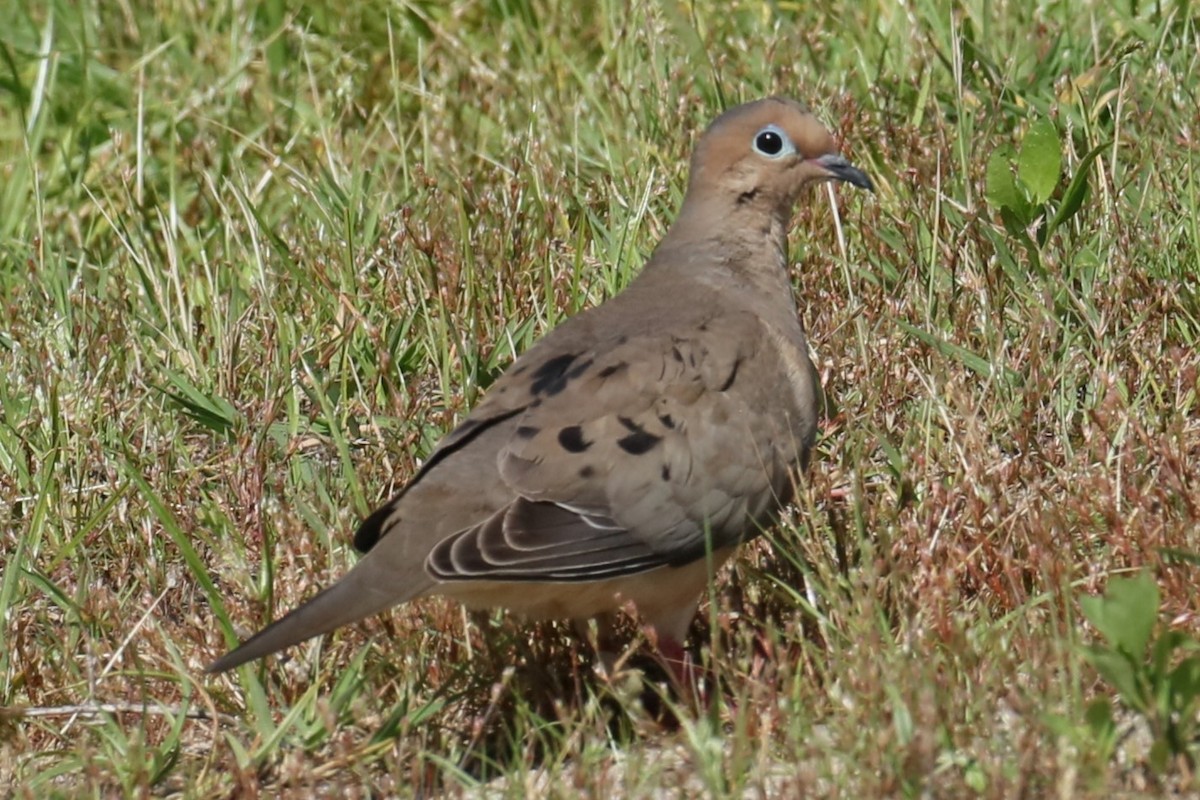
[1040,162]
[1016,226]
[1099,717]
[1160,755]
[1073,197]
[1185,684]
[1118,670]
[1125,616]
[1002,191]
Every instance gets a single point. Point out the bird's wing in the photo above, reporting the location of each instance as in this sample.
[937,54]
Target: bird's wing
[647,454]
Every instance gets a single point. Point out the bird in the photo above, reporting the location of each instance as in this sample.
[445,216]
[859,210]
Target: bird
[624,456]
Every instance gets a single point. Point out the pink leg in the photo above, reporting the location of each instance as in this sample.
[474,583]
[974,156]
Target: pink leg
[689,681]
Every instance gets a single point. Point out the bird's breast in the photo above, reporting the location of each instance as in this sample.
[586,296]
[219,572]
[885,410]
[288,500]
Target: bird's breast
[798,394]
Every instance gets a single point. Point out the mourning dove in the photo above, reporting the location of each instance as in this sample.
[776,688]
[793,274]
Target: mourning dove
[626,455]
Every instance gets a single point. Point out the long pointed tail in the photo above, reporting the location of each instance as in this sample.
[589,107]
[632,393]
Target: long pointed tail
[357,595]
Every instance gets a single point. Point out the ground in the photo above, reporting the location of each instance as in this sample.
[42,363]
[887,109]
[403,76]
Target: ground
[256,257]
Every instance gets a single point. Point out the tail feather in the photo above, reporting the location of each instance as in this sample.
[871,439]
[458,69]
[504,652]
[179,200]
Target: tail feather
[357,596]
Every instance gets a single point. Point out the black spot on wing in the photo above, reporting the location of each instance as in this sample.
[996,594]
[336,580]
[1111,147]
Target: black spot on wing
[587,471]
[553,376]
[371,530]
[639,440]
[374,527]
[638,443]
[571,439]
[578,369]
[527,431]
[549,378]
[613,369]
[666,472]
[732,375]
[667,421]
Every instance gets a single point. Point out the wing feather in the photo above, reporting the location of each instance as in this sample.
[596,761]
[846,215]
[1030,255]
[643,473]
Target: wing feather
[646,455]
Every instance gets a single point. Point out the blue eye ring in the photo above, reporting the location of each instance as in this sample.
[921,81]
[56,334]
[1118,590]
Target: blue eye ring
[772,142]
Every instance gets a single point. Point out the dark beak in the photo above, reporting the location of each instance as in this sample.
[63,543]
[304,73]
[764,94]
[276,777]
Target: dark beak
[840,169]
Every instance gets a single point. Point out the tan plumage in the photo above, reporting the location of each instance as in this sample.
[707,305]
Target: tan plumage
[625,455]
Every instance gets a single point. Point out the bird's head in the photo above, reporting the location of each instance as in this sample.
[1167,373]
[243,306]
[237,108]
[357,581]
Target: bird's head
[762,154]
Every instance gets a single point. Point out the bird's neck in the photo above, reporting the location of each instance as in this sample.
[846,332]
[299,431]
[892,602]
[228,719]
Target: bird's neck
[739,248]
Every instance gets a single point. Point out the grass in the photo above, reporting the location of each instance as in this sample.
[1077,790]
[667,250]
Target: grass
[256,257]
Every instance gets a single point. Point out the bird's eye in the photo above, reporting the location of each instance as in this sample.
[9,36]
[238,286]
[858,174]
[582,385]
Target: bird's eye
[772,142]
